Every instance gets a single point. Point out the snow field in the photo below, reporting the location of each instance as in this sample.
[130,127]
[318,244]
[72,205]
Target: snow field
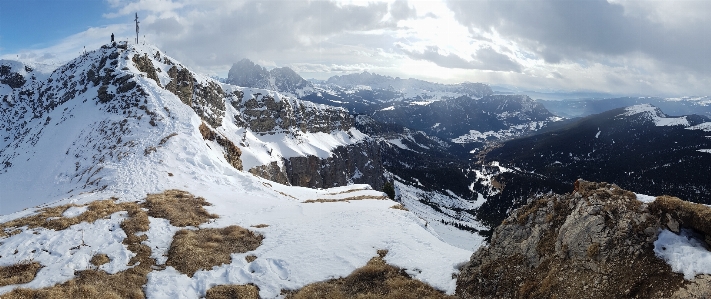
[685,253]
[656,115]
[412,198]
[309,242]
[63,252]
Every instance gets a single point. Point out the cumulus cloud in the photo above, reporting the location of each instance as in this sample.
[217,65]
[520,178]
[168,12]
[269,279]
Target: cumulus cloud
[210,35]
[485,59]
[400,10]
[615,46]
[572,30]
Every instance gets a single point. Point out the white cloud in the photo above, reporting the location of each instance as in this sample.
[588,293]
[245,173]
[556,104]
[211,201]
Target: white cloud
[620,46]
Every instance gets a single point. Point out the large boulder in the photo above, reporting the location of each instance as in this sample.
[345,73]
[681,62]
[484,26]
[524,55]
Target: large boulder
[596,242]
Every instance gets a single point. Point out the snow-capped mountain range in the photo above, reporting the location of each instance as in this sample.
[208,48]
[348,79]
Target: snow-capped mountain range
[87,148]
[673,106]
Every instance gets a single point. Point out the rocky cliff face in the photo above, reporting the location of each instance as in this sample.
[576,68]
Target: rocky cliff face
[268,114]
[596,242]
[358,163]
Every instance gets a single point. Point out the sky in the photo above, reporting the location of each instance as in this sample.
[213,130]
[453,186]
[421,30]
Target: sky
[622,47]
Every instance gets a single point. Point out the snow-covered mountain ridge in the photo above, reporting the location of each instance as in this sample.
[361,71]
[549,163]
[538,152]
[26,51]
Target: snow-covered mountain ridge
[125,121]
[266,126]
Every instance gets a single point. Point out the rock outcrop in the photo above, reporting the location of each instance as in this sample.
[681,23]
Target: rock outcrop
[596,242]
[358,163]
[267,114]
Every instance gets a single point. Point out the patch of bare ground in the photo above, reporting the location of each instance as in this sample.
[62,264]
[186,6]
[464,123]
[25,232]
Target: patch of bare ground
[349,191]
[99,259]
[347,199]
[260,225]
[51,218]
[22,272]
[233,292]
[250,258]
[376,279]
[179,207]
[194,250]
[399,207]
[99,284]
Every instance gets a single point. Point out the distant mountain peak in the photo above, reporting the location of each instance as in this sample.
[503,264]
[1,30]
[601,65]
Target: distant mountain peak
[246,73]
[654,114]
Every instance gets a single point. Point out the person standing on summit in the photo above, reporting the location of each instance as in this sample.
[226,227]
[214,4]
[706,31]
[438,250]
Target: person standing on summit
[112,38]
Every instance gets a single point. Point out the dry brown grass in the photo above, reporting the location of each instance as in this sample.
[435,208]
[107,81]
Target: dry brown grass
[250,258]
[233,292]
[179,207]
[51,218]
[347,199]
[374,280]
[349,191]
[22,272]
[99,284]
[262,225]
[196,249]
[99,259]
[193,250]
[399,207]
[692,215]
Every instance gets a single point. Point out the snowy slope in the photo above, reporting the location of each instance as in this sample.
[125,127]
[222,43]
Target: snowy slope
[656,115]
[106,125]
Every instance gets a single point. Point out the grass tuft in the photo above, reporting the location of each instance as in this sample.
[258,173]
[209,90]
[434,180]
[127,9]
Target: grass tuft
[233,292]
[99,259]
[347,199]
[22,272]
[399,207]
[374,280]
[194,250]
[689,214]
[179,207]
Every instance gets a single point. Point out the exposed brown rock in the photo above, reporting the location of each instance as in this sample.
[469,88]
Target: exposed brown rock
[144,64]
[232,153]
[181,84]
[594,243]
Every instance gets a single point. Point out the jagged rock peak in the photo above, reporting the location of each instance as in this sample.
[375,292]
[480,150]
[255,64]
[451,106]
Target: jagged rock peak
[596,242]
[246,73]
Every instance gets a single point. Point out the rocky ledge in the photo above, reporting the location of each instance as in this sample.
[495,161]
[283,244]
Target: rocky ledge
[596,242]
